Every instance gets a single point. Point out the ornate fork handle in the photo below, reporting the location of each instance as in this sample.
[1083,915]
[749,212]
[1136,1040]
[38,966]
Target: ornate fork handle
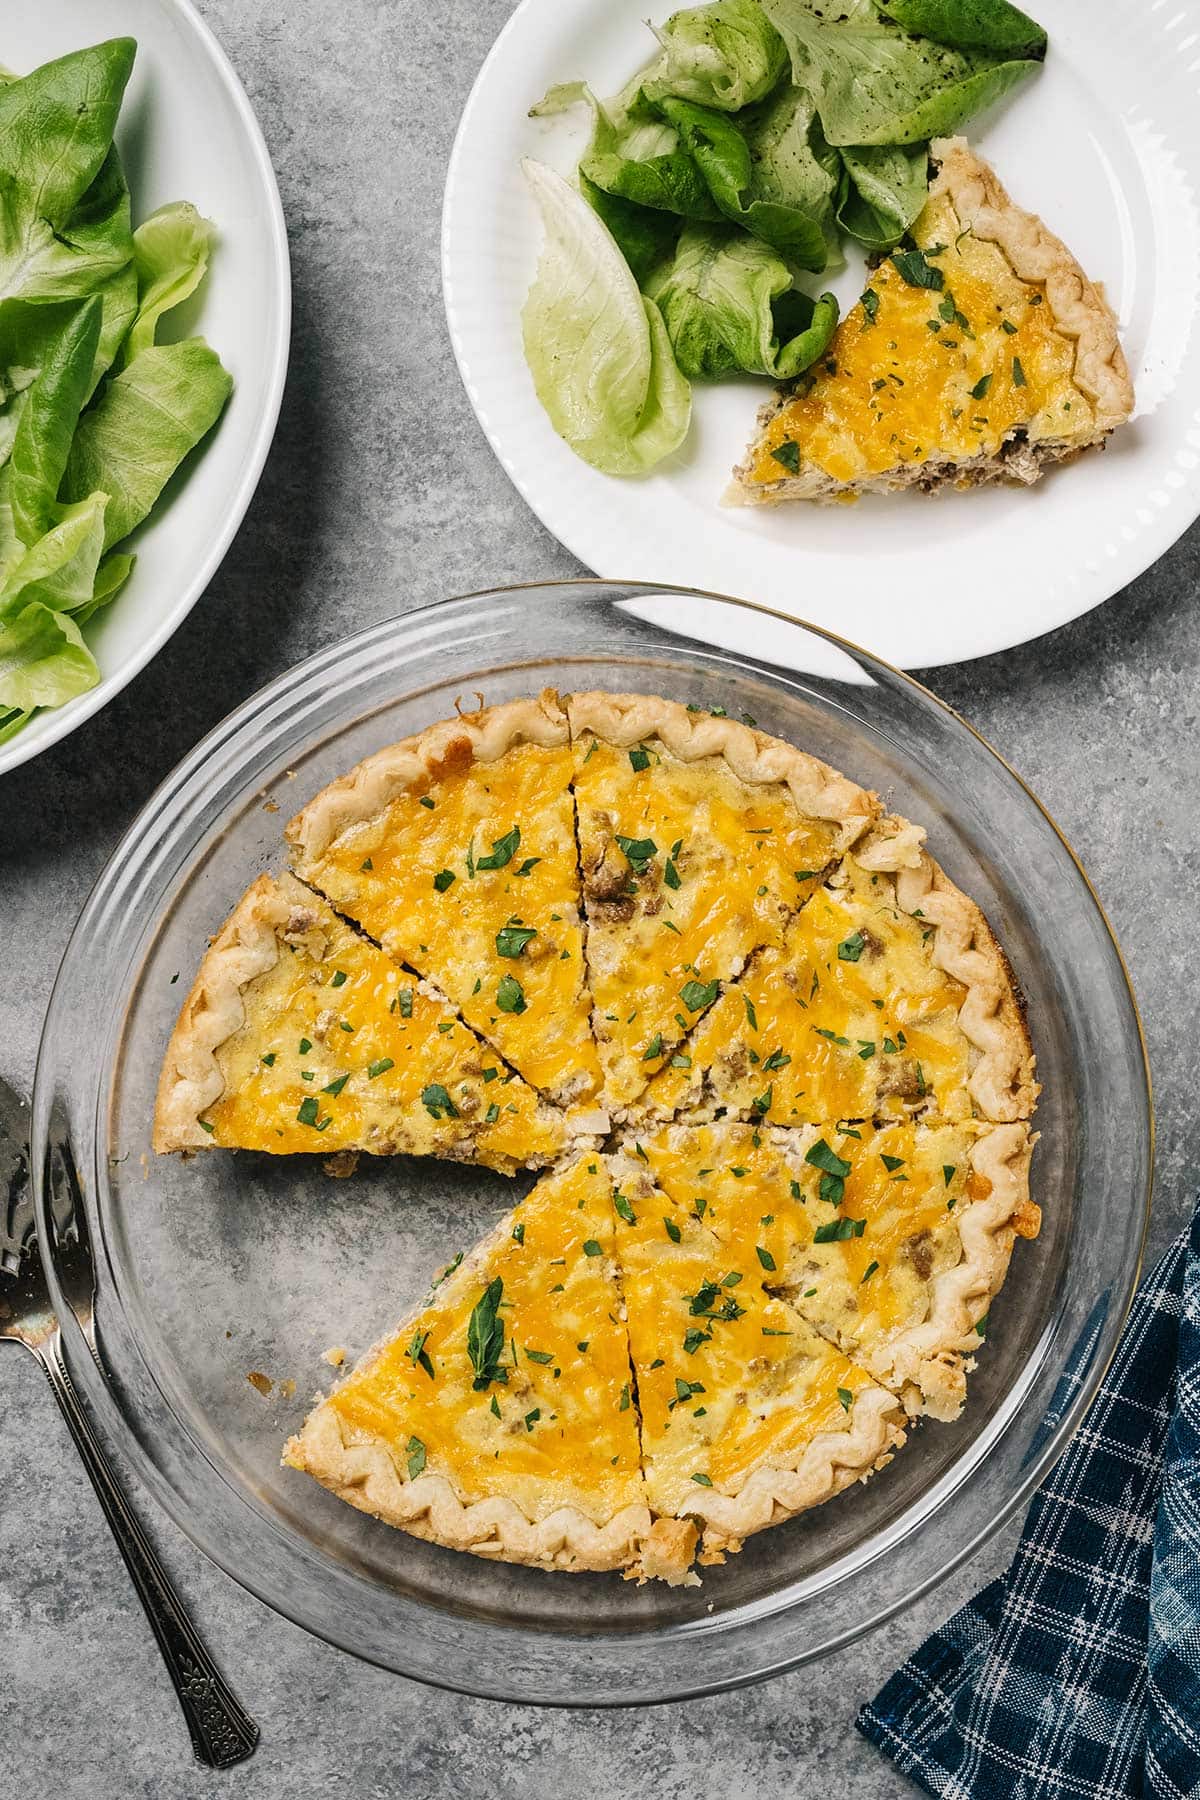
[222,1732]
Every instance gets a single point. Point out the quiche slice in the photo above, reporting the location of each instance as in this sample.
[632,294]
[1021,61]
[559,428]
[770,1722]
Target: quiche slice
[889,1241]
[914,1228]
[499,1417]
[748,1415]
[983,353]
[889,996]
[455,851]
[298,1034]
[698,839]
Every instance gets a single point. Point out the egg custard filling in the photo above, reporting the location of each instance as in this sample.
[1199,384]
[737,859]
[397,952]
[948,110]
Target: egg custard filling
[773,1064]
[980,352]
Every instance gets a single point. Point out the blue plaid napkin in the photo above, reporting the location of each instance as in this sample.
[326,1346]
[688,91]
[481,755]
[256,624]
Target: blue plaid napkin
[1076,1675]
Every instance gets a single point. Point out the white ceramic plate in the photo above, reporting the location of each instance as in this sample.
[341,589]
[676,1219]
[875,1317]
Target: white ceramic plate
[1104,143]
[187,132]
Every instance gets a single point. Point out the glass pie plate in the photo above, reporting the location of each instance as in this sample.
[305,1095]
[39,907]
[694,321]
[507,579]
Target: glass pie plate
[228,1266]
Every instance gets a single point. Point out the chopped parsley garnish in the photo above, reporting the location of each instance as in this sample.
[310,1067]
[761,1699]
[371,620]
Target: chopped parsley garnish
[443,879]
[335,1087]
[206,1125]
[307,1114]
[519,1233]
[852,947]
[696,995]
[1018,373]
[485,1336]
[948,1172]
[380,1067]
[531,862]
[621,1202]
[761,1103]
[512,939]
[637,852]
[269,1059]
[531,1418]
[751,1015]
[837,1231]
[671,874]
[623,1402]
[680,1061]
[492,1114]
[405,999]
[503,850]
[981,1326]
[426,800]
[510,995]
[592,1248]
[437,1102]
[639,759]
[847,1398]
[653,1048]
[822,1157]
[539,1356]
[980,390]
[416,1457]
[673,1231]
[417,1354]
[765,1257]
[495,1407]
[338,979]
[701,1479]
[305,1046]
[868,1272]
[891,1163]
[915,268]
[778,1059]
[870,305]
[787,455]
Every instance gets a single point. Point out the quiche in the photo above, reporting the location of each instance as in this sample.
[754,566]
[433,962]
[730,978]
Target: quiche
[698,838]
[770,1061]
[455,851]
[300,1035]
[499,1417]
[980,353]
[888,997]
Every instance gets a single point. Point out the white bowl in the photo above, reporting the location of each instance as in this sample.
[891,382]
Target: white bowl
[187,132]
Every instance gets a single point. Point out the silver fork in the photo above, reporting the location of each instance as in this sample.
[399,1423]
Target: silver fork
[222,1732]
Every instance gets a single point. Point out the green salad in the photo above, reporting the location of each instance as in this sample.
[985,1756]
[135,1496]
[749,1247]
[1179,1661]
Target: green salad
[726,176]
[95,414]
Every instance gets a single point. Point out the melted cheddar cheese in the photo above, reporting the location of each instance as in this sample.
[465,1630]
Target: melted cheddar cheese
[339,1049]
[923,374]
[687,871]
[849,1019]
[474,882]
[514,1380]
[885,1204]
[730,1377]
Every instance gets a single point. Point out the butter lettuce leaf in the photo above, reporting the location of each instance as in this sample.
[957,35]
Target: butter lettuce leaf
[887,187]
[50,414]
[171,250]
[726,55]
[730,306]
[43,662]
[724,158]
[993,25]
[874,84]
[634,159]
[597,349]
[59,570]
[142,424]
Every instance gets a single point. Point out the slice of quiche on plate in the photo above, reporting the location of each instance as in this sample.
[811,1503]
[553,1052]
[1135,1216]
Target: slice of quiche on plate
[299,1034]
[748,1415]
[888,996]
[455,850]
[499,1418]
[698,838]
[981,353]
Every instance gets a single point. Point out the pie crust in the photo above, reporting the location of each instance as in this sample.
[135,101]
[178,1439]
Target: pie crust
[919,1367]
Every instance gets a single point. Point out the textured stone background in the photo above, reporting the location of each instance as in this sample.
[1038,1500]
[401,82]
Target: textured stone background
[381,492]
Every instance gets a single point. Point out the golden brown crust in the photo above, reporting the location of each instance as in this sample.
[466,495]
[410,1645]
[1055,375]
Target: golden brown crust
[416,762]
[1078,305]
[992,1016]
[246,947]
[754,758]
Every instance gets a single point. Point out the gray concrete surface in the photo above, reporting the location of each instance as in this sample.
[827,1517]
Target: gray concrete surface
[381,492]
